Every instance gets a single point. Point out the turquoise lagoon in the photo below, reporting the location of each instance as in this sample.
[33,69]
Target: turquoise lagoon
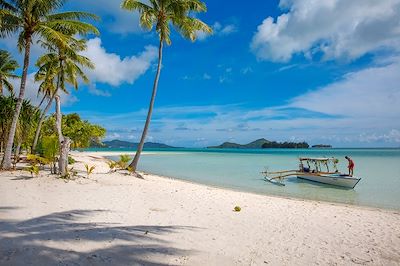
[240,170]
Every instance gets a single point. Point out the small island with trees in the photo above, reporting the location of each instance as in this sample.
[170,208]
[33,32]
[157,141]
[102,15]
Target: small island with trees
[321,146]
[120,144]
[262,144]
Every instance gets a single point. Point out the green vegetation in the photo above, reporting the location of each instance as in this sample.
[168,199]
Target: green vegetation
[7,69]
[237,209]
[322,146]
[33,169]
[49,149]
[81,132]
[89,170]
[71,160]
[112,164]
[37,18]
[25,127]
[121,164]
[123,161]
[288,145]
[163,14]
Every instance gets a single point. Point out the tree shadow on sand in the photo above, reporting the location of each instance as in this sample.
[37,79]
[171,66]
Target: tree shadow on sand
[60,239]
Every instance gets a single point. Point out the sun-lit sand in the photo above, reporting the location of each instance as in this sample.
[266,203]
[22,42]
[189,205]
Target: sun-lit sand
[117,219]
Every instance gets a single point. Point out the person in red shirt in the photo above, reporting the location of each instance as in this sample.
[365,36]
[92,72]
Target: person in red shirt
[350,166]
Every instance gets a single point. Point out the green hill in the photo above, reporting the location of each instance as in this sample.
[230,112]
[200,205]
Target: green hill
[132,145]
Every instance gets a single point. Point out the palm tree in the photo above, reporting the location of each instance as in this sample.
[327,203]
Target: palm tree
[163,14]
[26,123]
[37,18]
[7,68]
[62,65]
[7,106]
[47,75]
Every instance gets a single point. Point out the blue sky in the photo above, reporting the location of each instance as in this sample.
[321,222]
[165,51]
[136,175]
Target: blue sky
[319,71]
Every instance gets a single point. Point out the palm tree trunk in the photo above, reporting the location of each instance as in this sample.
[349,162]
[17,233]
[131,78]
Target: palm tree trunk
[58,119]
[41,120]
[1,86]
[135,161]
[41,101]
[7,154]
[64,142]
[17,150]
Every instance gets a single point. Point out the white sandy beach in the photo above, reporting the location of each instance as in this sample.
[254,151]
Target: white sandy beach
[116,219]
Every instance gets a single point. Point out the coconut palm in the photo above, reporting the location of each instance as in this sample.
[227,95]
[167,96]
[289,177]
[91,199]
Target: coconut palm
[7,106]
[62,65]
[163,14]
[47,75]
[26,125]
[29,18]
[7,69]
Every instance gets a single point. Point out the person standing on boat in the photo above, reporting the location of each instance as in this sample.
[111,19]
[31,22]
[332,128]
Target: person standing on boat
[350,166]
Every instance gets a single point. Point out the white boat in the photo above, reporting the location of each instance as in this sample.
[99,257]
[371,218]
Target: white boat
[311,169]
[331,179]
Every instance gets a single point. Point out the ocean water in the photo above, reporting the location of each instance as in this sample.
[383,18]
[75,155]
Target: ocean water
[379,170]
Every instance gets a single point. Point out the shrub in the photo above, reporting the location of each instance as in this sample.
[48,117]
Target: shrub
[33,169]
[123,161]
[112,165]
[71,160]
[237,209]
[36,159]
[89,169]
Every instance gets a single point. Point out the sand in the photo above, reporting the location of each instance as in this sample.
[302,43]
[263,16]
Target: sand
[116,219]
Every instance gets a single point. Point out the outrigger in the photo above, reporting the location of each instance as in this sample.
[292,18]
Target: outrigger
[311,169]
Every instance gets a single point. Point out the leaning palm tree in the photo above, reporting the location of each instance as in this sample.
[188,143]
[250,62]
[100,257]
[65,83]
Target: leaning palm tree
[163,14]
[29,18]
[26,123]
[7,69]
[62,65]
[47,75]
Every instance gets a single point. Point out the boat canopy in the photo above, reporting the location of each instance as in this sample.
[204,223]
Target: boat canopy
[318,163]
[317,159]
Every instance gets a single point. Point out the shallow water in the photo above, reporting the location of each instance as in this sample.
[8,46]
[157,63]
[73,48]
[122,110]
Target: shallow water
[240,169]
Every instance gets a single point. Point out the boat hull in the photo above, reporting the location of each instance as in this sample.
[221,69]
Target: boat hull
[331,179]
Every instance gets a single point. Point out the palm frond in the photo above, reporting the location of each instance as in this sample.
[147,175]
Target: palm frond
[9,23]
[71,27]
[162,12]
[7,85]
[72,15]
[189,27]
[8,6]
[132,5]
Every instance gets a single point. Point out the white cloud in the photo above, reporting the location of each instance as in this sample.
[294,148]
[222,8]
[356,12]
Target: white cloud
[206,76]
[114,70]
[228,29]
[246,70]
[369,93]
[95,91]
[218,30]
[339,29]
[114,18]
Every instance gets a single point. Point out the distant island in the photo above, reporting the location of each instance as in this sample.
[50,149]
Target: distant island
[118,144]
[321,146]
[262,144]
